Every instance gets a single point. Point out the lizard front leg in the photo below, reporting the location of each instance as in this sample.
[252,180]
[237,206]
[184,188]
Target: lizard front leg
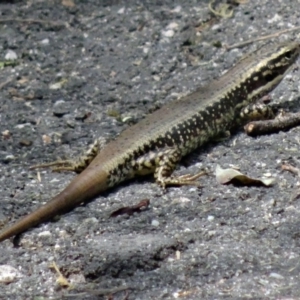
[256,111]
[162,163]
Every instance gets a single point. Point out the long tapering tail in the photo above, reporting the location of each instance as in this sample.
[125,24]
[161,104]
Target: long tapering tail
[82,188]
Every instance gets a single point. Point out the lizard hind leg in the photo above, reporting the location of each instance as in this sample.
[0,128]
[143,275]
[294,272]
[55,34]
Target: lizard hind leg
[77,165]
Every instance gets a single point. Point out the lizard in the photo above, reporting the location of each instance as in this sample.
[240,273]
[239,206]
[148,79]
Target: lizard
[157,143]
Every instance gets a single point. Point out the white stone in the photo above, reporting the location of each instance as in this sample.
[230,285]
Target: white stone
[121,11]
[8,274]
[172,25]
[210,218]
[45,233]
[155,223]
[168,33]
[45,42]
[11,55]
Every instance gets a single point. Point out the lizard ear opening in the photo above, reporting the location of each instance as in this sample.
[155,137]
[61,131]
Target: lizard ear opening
[270,76]
[288,55]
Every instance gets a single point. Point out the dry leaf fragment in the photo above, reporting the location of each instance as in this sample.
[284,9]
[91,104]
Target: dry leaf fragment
[6,134]
[61,280]
[68,3]
[142,205]
[46,139]
[23,80]
[227,176]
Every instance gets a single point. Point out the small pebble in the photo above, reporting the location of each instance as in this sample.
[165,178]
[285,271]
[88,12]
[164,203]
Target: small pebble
[211,233]
[168,33]
[8,274]
[121,11]
[59,102]
[172,25]
[46,233]
[45,42]
[11,55]
[177,9]
[210,218]
[56,86]
[155,223]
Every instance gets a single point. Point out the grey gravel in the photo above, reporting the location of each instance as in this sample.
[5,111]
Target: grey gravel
[131,57]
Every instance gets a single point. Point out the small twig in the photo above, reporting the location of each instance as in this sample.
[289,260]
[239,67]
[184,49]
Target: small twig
[290,168]
[283,121]
[261,38]
[241,1]
[99,292]
[287,167]
[3,84]
[46,22]
[103,292]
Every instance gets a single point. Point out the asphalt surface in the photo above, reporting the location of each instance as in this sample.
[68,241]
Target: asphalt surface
[89,70]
